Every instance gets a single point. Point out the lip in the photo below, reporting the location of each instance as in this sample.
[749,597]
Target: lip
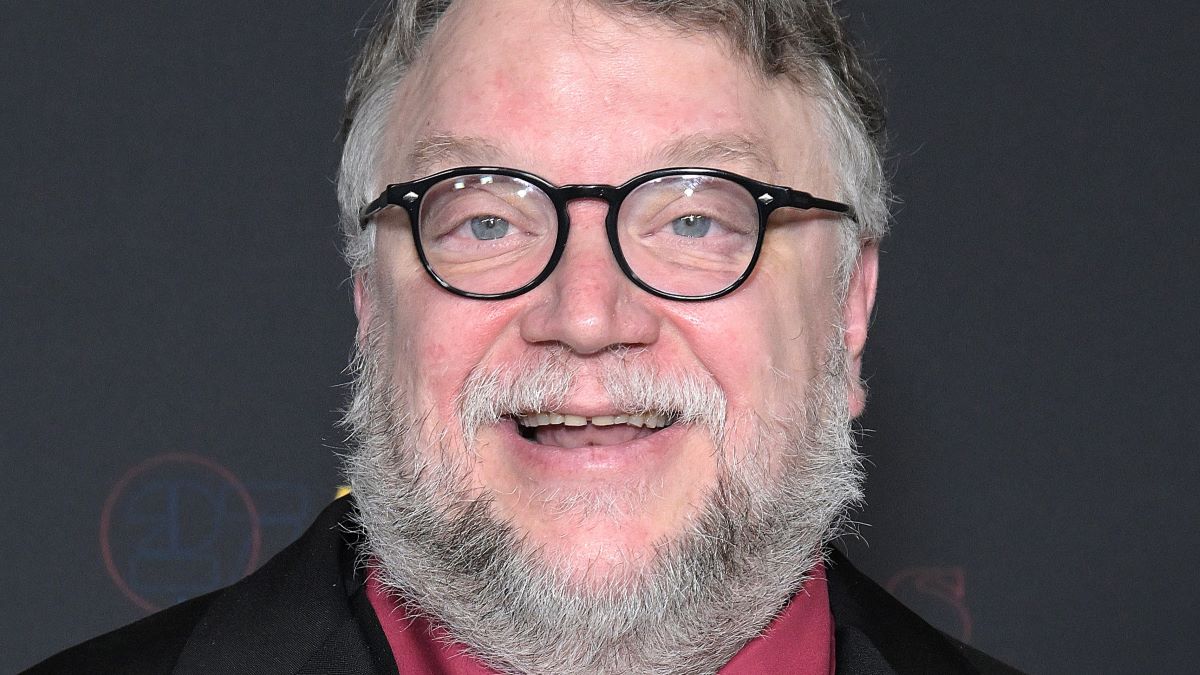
[637,457]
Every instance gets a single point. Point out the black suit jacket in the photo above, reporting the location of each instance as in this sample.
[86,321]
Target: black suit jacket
[306,612]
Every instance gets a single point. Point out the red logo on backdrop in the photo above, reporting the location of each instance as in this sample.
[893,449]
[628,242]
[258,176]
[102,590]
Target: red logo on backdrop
[175,526]
[939,594]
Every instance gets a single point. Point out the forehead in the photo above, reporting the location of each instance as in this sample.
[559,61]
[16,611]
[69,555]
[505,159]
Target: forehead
[584,95]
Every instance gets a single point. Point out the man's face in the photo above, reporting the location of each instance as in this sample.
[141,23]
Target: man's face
[577,96]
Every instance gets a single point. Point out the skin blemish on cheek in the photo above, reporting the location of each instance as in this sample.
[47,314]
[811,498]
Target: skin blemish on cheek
[438,351]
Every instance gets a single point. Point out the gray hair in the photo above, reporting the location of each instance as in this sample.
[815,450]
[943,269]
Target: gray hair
[803,41]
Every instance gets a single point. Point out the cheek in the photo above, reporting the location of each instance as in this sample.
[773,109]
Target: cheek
[421,350]
[439,338]
[765,342]
[742,346]
[435,337]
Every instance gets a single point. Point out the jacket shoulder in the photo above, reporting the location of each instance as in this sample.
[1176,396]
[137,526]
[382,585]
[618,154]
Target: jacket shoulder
[297,614]
[984,663]
[874,629]
[150,645]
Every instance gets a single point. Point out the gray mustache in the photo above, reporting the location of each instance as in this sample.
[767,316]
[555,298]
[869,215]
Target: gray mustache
[633,386]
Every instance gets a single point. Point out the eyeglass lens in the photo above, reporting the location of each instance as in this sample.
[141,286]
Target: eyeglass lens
[687,234]
[485,233]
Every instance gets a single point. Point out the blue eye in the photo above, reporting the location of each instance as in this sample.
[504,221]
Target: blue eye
[691,226]
[488,227]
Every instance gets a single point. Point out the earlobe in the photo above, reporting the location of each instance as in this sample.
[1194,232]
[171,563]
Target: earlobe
[363,305]
[860,299]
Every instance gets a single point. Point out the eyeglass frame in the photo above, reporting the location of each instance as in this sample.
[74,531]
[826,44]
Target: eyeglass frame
[767,197]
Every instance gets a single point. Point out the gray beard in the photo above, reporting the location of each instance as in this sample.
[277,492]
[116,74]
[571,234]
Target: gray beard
[441,549]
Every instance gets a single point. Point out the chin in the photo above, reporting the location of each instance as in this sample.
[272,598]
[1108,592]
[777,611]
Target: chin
[599,549]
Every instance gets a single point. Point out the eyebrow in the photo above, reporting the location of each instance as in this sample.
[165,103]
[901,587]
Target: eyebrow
[449,150]
[442,150]
[704,149]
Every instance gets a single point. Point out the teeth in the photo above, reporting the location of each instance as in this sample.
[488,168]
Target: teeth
[651,421]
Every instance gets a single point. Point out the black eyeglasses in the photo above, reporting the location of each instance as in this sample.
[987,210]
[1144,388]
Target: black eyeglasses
[683,234]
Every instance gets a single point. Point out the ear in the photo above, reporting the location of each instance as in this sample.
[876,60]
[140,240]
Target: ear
[364,305]
[856,317]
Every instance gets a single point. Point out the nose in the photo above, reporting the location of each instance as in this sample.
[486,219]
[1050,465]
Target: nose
[587,304]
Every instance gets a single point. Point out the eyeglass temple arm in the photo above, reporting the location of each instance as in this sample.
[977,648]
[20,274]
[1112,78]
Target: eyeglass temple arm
[380,203]
[803,200]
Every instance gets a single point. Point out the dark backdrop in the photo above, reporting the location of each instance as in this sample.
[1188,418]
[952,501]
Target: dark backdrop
[174,319]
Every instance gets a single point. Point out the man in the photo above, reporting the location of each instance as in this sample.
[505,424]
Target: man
[607,360]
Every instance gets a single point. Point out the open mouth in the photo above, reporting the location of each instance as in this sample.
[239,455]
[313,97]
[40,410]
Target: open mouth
[576,431]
